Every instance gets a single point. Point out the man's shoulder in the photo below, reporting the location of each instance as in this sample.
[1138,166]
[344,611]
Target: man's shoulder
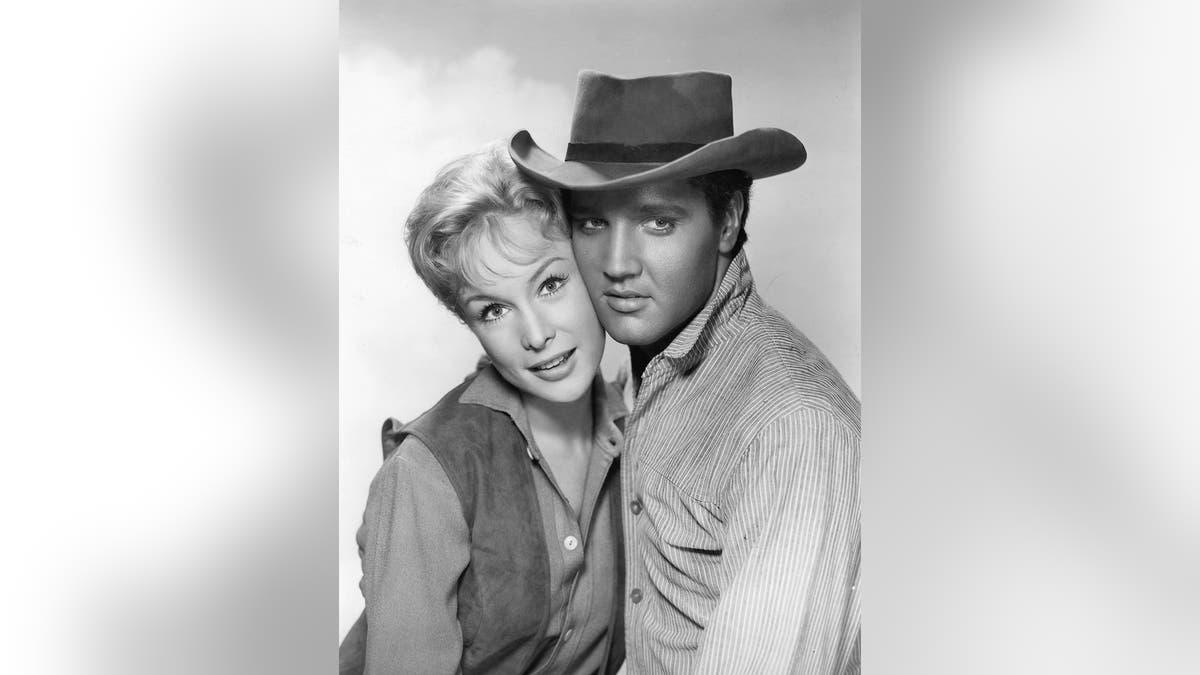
[787,373]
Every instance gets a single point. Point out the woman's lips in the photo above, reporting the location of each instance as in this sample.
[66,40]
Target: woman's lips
[556,367]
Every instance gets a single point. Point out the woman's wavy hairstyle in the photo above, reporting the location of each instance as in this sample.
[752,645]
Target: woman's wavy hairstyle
[462,206]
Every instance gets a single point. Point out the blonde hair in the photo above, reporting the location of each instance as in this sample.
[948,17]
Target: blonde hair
[461,206]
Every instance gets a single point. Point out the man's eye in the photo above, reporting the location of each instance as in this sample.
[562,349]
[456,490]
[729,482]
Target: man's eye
[589,224]
[660,225]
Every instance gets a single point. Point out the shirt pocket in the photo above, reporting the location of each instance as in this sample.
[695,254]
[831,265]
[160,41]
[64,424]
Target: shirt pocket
[687,531]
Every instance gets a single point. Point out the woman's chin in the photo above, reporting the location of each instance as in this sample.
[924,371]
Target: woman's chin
[568,390]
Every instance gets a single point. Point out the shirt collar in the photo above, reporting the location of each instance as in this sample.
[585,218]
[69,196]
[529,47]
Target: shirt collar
[717,315]
[491,390]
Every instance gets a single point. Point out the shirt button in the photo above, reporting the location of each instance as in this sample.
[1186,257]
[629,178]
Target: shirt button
[636,595]
[571,543]
[567,635]
[635,506]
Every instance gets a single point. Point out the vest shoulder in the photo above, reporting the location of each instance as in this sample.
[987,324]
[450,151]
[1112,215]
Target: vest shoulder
[463,437]
[410,466]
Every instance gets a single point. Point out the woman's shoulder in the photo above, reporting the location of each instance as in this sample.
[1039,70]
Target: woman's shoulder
[411,498]
[409,460]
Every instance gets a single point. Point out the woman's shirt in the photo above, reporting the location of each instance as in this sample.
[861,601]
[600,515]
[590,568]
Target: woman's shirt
[415,544]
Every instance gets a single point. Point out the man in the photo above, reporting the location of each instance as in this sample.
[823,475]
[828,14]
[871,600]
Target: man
[740,470]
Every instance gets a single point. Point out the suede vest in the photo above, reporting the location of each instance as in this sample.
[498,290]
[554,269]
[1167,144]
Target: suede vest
[504,594]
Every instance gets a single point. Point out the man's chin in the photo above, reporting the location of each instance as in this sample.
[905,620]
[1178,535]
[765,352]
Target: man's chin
[631,332]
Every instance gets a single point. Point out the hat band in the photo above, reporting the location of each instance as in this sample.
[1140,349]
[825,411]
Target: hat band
[619,152]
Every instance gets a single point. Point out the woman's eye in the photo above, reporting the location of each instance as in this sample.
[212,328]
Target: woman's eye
[492,312]
[553,285]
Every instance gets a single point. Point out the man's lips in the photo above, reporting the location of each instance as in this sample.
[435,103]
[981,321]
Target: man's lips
[617,293]
[625,301]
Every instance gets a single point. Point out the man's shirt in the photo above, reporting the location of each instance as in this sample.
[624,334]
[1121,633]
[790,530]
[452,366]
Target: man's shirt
[740,474]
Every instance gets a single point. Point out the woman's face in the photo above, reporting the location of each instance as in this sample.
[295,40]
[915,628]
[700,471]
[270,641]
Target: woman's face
[534,319]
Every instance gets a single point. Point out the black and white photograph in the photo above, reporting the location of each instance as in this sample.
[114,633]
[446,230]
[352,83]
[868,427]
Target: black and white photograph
[600,337]
[600,346]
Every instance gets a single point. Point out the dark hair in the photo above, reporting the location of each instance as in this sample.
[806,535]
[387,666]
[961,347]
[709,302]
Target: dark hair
[719,188]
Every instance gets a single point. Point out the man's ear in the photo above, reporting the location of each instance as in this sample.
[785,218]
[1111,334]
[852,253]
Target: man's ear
[731,224]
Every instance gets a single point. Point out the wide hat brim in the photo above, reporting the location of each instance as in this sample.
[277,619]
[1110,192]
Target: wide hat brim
[759,152]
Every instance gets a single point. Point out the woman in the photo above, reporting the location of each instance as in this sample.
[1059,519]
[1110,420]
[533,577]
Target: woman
[491,537]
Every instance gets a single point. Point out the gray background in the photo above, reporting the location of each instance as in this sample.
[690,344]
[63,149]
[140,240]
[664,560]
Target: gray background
[1029,287]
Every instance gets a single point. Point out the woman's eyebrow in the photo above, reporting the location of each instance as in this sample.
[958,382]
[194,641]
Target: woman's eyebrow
[542,268]
[478,297]
[475,297]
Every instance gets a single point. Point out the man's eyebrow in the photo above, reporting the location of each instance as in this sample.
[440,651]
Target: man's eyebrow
[662,208]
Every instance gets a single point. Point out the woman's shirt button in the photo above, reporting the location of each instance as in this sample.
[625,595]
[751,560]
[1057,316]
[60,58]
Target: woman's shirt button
[571,543]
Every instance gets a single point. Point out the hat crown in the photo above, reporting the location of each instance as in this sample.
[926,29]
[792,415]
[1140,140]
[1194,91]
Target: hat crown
[630,132]
[684,108]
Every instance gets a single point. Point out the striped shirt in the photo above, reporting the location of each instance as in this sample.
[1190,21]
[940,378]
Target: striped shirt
[741,475]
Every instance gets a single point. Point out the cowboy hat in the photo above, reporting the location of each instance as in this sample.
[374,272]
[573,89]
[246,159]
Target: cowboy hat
[629,132]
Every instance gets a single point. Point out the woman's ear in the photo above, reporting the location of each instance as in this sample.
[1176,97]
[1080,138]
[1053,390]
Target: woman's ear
[731,224]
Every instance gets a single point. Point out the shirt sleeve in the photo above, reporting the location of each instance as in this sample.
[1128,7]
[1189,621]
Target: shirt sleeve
[414,544]
[792,557]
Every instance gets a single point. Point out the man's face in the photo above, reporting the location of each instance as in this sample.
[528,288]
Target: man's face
[649,257]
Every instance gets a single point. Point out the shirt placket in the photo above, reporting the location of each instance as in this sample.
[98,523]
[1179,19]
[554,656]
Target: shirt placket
[572,540]
[639,589]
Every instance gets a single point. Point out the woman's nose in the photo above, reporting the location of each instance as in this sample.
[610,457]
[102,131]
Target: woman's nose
[536,332]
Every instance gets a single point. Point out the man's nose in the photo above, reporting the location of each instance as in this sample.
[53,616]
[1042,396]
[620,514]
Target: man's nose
[536,332]
[623,258]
